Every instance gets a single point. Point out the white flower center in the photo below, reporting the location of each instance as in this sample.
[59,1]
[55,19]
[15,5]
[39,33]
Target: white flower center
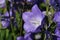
[36,21]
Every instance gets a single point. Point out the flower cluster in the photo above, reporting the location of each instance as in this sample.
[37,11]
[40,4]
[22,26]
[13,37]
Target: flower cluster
[30,19]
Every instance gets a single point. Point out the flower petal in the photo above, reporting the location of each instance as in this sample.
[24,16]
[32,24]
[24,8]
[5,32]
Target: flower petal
[29,27]
[27,36]
[20,38]
[57,30]
[5,24]
[7,14]
[2,3]
[56,17]
[26,16]
[35,9]
[58,38]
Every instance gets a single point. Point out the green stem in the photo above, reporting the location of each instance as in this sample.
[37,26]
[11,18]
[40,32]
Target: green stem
[47,10]
[7,33]
[0,29]
[1,26]
[47,6]
[19,20]
[12,28]
[46,27]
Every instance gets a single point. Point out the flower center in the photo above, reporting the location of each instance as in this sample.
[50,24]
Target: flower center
[35,21]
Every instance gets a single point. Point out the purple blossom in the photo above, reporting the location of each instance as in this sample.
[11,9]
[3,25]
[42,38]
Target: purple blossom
[6,21]
[5,24]
[28,36]
[57,17]
[20,38]
[7,14]
[57,31]
[2,3]
[58,38]
[33,19]
[25,37]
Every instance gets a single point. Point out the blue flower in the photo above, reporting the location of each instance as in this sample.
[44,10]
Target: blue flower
[20,38]
[33,19]
[57,17]
[57,31]
[25,37]
[2,3]
[6,21]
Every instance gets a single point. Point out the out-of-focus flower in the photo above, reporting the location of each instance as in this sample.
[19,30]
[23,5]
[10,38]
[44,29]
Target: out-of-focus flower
[26,37]
[33,19]
[5,24]
[58,38]
[57,17]
[57,31]
[6,20]
[20,38]
[2,3]
[8,13]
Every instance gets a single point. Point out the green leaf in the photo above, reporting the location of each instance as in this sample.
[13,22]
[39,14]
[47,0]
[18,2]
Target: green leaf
[19,21]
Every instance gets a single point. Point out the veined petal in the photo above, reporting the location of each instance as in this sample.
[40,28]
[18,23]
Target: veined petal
[36,20]
[29,27]
[36,11]
[26,16]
